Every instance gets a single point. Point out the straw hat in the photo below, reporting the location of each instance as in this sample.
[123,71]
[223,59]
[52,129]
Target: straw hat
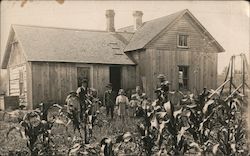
[109,85]
[72,92]
[161,76]
[127,137]
[133,97]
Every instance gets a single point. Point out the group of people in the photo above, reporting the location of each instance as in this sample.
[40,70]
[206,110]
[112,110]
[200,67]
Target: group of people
[125,107]
[85,100]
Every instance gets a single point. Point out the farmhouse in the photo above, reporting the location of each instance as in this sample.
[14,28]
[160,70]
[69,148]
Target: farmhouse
[45,63]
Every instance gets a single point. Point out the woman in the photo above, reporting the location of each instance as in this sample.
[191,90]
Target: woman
[122,102]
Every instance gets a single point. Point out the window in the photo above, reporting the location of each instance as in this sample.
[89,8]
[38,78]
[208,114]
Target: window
[183,77]
[183,41]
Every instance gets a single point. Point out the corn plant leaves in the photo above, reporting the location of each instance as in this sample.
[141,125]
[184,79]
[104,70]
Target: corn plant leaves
[167,107]
[178,112]
[207,104]
[215,148]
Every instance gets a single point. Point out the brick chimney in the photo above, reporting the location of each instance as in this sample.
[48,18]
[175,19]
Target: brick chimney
[137,19]
[110,15]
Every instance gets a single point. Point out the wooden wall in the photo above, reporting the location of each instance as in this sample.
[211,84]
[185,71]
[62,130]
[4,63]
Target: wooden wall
[53,81]
[197,39]
[128,78]
[17,74]
[100,78]
[162,55]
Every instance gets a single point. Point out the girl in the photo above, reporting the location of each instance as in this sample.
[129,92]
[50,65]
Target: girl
[122,102]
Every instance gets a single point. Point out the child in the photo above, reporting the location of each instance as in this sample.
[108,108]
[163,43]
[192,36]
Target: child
[122,102]
[132,106]
[95,103]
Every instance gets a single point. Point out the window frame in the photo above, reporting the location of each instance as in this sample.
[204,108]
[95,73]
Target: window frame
[187,40]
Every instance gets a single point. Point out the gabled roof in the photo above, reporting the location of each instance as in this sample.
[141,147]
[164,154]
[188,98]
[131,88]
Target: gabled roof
[70,45]
[151,29]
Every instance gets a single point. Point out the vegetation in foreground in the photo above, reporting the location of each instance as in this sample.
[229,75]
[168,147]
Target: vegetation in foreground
[196,126]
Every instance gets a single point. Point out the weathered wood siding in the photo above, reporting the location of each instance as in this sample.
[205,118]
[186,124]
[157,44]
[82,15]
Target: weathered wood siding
[128,79]
[197,39]
[51,82]
[162,55]
[17,74]
[100,78]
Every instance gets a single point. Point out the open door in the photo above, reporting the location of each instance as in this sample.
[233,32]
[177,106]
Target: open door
[115,77]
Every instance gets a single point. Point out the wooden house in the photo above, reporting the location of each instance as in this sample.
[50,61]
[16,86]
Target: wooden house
[45,63]
[176,45]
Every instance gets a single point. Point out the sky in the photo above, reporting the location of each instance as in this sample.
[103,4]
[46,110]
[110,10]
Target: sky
[227,21]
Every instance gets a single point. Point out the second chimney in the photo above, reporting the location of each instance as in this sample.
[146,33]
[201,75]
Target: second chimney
[110,14]
[137,19]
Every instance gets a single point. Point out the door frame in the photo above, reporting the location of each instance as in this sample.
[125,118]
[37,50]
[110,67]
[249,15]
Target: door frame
[120,68]
[90,73]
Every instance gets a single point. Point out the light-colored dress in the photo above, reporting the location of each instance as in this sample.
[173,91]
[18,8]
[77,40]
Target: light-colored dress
[122,102]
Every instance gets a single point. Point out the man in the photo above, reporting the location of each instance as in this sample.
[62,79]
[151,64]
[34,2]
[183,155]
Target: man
[109,100]
[82,93]
[180,79]
[164,85]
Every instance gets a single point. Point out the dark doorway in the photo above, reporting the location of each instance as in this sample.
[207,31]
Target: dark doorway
[115,77]
[183,77]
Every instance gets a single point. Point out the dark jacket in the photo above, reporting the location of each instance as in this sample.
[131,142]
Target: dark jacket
[109,98]
[82,93]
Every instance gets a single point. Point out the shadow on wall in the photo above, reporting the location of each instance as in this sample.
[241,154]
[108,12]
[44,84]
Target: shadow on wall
[3,81]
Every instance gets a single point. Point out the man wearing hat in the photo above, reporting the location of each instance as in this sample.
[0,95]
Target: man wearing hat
[164,85]
[128,146]
[109,100]
[82,93]
[73,103]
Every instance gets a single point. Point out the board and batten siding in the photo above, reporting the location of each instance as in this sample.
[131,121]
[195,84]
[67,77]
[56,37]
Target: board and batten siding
[100,78]
[51,82]
[128,77]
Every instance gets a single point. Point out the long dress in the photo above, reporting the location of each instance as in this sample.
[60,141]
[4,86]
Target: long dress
[122,102]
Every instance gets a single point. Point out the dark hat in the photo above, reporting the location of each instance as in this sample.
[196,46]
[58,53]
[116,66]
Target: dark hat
[161,76]
[84,80]
[109,85]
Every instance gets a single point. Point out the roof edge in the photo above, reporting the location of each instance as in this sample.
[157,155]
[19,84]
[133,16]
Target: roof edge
[7,52]
[65,28]
[219,47]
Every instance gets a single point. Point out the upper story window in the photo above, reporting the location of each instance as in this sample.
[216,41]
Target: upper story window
[182,41]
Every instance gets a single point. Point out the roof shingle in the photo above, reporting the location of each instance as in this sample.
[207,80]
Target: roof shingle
[72,45]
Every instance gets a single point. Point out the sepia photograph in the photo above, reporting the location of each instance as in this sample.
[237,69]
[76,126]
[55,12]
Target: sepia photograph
[124,78]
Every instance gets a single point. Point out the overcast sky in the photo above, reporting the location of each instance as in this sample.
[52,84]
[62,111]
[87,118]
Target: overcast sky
[227,21]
